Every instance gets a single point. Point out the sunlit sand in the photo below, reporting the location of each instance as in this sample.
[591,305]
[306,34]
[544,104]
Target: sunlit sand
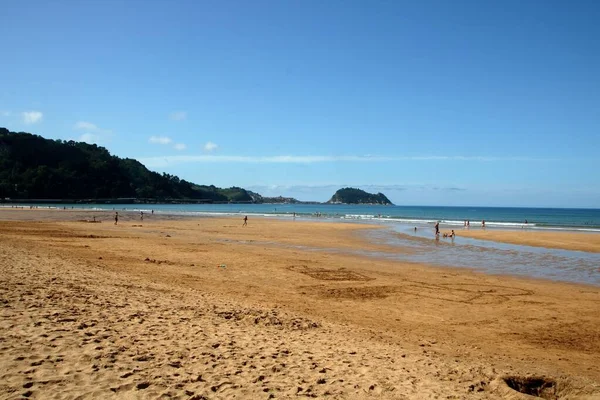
[206,308]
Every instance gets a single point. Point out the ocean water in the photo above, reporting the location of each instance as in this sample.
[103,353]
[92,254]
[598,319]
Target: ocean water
[492,257]
[501,217]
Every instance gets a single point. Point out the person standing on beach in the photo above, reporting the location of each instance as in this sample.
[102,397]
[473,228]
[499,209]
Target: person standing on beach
[483,224]
[116,218]
[245,220]
[141,215]
[437,228]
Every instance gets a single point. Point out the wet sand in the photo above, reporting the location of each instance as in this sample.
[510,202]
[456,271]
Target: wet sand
[206,308]
[580,241]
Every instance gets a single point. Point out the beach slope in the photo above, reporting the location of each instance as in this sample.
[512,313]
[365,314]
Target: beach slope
[579,241]
[206,308]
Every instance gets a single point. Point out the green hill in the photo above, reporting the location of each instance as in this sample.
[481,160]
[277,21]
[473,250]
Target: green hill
[357,196]
[32,167]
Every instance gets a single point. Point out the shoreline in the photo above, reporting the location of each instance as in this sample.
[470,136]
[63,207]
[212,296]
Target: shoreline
[575,240]
[353,234]
[310,211]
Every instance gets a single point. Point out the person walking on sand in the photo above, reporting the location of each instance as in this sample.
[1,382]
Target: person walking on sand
[116,218]
[245,220]
[141,215]
[437,228]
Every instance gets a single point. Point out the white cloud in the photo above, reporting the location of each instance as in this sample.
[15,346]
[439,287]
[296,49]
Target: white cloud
[160,139]
[32,117]
[93,133]
[290,159]
[210,146]
[4,113]
[179,146]
[88,126]
[178,115]
[89,138]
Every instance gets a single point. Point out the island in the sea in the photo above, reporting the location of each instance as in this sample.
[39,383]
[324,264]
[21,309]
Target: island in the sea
[358,196]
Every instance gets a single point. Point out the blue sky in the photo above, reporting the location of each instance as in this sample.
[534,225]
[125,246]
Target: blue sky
[431,102]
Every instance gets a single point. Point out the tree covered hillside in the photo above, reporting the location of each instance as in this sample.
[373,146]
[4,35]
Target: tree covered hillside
[32,167]
[357,196]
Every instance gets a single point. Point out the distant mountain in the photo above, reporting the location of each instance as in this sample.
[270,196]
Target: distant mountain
[32,167]
[257,198]
[357,196]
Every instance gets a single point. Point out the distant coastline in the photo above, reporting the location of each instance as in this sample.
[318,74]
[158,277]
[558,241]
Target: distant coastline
[144,201]
[583,220]
[116,201]
[168,201]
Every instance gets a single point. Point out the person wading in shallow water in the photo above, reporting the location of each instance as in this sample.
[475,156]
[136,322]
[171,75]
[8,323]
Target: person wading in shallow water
[245,220]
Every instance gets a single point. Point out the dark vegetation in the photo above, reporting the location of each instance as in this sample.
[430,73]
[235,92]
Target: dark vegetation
[357,196]
[32,167]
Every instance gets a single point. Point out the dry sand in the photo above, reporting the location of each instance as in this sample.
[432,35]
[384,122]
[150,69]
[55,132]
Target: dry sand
[206,309]
[589,242]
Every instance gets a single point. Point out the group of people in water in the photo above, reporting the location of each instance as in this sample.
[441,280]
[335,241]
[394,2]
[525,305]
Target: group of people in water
[467,224]
[445,234]
[451,234]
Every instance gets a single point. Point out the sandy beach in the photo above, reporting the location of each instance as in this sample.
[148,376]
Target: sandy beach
[580,241]
[204,308]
